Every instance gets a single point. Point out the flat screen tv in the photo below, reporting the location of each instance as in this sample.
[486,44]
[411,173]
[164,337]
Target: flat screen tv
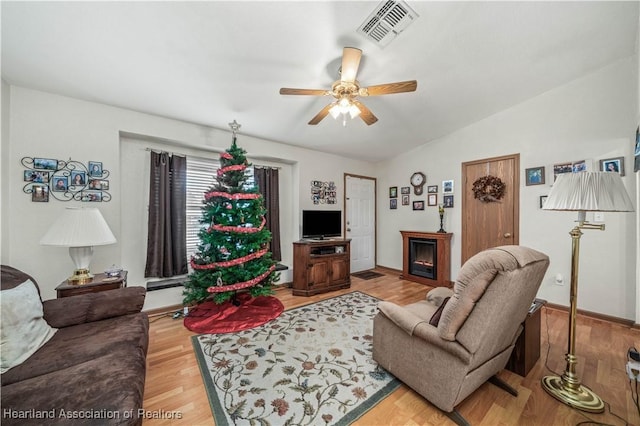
[320,224]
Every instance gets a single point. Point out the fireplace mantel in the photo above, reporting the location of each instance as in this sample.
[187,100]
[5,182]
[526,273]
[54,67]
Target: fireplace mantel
[443,258]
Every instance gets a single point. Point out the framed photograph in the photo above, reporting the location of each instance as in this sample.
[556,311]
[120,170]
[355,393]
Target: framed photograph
[405,190]
[579,166]
[447,186]
[558,169]
[393,203]
[45,164]
[95,169]
[91,196]
[98,184]
[432,199]
[393,192]
[543,199]
[36,176]
[60,183]
[447,201]
[432,189]
[78,178]
[534,176]
[40,193]
[405,200]
[418,205]
[613,165]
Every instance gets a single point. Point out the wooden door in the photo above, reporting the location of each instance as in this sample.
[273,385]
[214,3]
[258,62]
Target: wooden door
[360,221]
[490,224]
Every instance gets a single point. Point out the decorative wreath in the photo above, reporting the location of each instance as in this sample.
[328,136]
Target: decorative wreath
[488,189]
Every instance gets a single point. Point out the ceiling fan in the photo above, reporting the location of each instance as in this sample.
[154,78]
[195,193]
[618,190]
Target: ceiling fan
[347,89]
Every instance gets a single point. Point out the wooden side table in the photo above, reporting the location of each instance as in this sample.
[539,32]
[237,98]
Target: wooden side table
[527,350]
[100,283]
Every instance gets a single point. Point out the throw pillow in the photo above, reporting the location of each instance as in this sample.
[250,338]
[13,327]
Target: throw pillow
[435,318]
[23,329]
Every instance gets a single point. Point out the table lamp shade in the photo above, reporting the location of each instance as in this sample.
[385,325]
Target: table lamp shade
[79,227]
[589,191]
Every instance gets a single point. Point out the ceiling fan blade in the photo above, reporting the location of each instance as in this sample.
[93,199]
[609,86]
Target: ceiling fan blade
[389,88]
[313,92]
[322,114]
[350,63]
[365,113]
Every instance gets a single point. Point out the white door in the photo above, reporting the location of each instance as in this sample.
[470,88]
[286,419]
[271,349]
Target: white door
[360,221]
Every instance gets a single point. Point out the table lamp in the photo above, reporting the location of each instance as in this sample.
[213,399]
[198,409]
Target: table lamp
[79,229]
[581,192]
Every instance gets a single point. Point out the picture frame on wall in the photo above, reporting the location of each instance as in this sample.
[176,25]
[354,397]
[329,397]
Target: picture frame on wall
[40,193]
[95,169]
[418,205]
[393,192]
[45,164]
[60,183]
[615,165]
[561,168]
[393,203]
[543,199]
[36,176]
[447,186]
[432,199]
[447,201]
[534,176]
[405,190]
[432,189]
[405,200]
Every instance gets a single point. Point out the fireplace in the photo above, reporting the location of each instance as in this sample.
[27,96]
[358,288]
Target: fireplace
[426,257]
[423,257]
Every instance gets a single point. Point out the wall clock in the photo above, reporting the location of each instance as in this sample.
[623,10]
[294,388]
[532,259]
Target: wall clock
[418,179]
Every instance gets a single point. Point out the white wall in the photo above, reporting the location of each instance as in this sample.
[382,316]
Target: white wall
[52,126]
[591,118]
[4,165]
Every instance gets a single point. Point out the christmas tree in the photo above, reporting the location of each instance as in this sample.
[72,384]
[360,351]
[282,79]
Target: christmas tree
[233,253]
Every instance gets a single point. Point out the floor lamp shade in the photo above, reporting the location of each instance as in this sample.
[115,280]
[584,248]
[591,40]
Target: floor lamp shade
[79,229]
[581,192]
[589,191]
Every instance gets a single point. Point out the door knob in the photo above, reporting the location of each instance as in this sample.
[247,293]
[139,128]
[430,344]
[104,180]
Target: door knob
[348,229]
[507,235]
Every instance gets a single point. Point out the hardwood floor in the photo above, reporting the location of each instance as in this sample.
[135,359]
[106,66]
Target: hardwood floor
[174,388]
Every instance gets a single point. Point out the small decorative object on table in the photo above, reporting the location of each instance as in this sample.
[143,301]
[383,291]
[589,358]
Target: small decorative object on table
[441,212]
[113,271]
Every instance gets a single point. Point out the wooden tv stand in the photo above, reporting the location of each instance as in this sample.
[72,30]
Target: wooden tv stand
[320,266]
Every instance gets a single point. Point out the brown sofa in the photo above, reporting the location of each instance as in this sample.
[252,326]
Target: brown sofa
[92,370]
[445,353]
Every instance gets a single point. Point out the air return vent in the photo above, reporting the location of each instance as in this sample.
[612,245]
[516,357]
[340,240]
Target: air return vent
[387,21]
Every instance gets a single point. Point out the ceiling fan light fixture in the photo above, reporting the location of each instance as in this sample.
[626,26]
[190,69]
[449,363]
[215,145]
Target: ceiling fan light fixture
[354,111]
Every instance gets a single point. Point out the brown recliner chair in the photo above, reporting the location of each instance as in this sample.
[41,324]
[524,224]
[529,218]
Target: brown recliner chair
[445,353]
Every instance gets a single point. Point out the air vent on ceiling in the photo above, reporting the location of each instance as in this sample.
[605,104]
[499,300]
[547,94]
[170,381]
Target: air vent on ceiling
[387,21]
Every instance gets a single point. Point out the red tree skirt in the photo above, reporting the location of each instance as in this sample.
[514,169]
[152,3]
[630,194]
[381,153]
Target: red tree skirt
[209,317]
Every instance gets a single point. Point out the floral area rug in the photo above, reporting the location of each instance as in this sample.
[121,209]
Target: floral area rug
[310,366]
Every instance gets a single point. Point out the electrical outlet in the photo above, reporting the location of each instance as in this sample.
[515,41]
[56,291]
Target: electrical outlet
[559,279]
[185,311]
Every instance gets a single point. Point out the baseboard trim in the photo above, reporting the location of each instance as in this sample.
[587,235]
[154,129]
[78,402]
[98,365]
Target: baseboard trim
[595,315]
[388,270]
[164,310]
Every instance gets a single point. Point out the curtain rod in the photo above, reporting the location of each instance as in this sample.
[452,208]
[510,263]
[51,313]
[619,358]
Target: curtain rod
[186,155]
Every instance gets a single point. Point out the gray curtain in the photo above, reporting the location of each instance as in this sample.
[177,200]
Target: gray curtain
[167,236]
[267,180]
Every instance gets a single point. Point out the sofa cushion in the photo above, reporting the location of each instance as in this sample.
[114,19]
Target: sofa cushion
[78,344]
[105,390]
[23,329]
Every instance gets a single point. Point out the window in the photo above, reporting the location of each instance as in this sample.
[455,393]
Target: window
[201,176]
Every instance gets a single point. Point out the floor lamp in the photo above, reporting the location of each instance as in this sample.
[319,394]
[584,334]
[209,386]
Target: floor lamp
[581,192]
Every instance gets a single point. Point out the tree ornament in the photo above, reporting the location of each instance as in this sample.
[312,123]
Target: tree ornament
[488,189]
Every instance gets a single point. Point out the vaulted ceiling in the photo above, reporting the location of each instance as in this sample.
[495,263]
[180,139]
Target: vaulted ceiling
[213,62]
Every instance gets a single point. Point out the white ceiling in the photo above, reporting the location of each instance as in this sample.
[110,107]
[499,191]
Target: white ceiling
[213,62]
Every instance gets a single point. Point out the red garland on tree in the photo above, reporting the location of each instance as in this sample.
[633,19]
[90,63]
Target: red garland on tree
[233,253]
